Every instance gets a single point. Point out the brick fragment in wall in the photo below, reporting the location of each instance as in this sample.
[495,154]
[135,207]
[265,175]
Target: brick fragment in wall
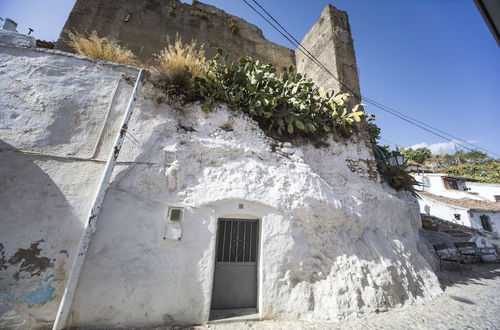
[363,167]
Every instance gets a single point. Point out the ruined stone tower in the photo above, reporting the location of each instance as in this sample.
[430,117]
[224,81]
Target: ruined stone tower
[330,41]
[144,25]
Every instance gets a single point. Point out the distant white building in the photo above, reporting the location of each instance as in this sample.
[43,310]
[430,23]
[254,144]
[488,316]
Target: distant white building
[460,200]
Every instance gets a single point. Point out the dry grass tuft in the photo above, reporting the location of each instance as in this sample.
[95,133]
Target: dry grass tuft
[171,10]
[100,48]
[232,24]
[175,68]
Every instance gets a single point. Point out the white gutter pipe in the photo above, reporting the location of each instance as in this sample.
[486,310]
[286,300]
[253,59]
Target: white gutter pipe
[90,226]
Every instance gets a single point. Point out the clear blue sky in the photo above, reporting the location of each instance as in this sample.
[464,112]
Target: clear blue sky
[434,60]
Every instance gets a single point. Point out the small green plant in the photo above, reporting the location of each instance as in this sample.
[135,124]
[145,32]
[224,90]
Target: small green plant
[397,177]
[285,105]
[373,132]
[232,24]
[201,14]
[91,45]
[345,118]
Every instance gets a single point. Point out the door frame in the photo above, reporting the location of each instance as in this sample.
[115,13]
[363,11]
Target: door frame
[257,259]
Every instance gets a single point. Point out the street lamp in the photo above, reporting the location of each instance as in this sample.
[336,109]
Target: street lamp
[396,159]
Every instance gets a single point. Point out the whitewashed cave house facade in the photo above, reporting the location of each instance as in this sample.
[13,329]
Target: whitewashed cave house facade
[203,211]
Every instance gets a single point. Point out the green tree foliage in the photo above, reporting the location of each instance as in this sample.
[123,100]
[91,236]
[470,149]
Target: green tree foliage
[398,177]
[473,164]
[486,172]
[471,157]
[419,155]
[445,160]
[285,105]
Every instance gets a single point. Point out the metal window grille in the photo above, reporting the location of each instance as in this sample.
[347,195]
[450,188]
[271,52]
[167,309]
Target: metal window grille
[237,240]
[485,222]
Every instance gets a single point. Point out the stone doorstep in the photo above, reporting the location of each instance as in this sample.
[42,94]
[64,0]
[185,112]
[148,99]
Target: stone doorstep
[218,316]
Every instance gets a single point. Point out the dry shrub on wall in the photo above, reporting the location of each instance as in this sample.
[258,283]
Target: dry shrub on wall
[92,45]
[175,68]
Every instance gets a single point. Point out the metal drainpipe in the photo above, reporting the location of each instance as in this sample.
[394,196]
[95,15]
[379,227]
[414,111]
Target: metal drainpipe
[90,226]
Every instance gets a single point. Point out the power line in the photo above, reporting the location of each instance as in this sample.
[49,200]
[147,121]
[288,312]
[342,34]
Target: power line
[396,144]
[267,20]
[297,43]
[294,42]
[376,104]
[394,112]
[388,109]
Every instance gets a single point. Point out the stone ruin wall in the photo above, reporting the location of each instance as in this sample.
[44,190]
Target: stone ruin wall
[331,35]
[144,25]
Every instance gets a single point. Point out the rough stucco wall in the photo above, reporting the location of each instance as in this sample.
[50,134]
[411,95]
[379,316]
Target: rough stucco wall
[334,242]
[58,115]
[143,27]
[444,211]
[330,41]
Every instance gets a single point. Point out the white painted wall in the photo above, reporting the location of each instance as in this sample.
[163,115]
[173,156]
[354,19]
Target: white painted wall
[486,190]
[433,183]
[335,243]
[57,115]
[444,211]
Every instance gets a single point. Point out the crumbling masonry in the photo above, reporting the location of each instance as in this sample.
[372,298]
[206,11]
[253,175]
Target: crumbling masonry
[144,26]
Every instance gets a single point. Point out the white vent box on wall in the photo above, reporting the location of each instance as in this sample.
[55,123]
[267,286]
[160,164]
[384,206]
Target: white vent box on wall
[173,229]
